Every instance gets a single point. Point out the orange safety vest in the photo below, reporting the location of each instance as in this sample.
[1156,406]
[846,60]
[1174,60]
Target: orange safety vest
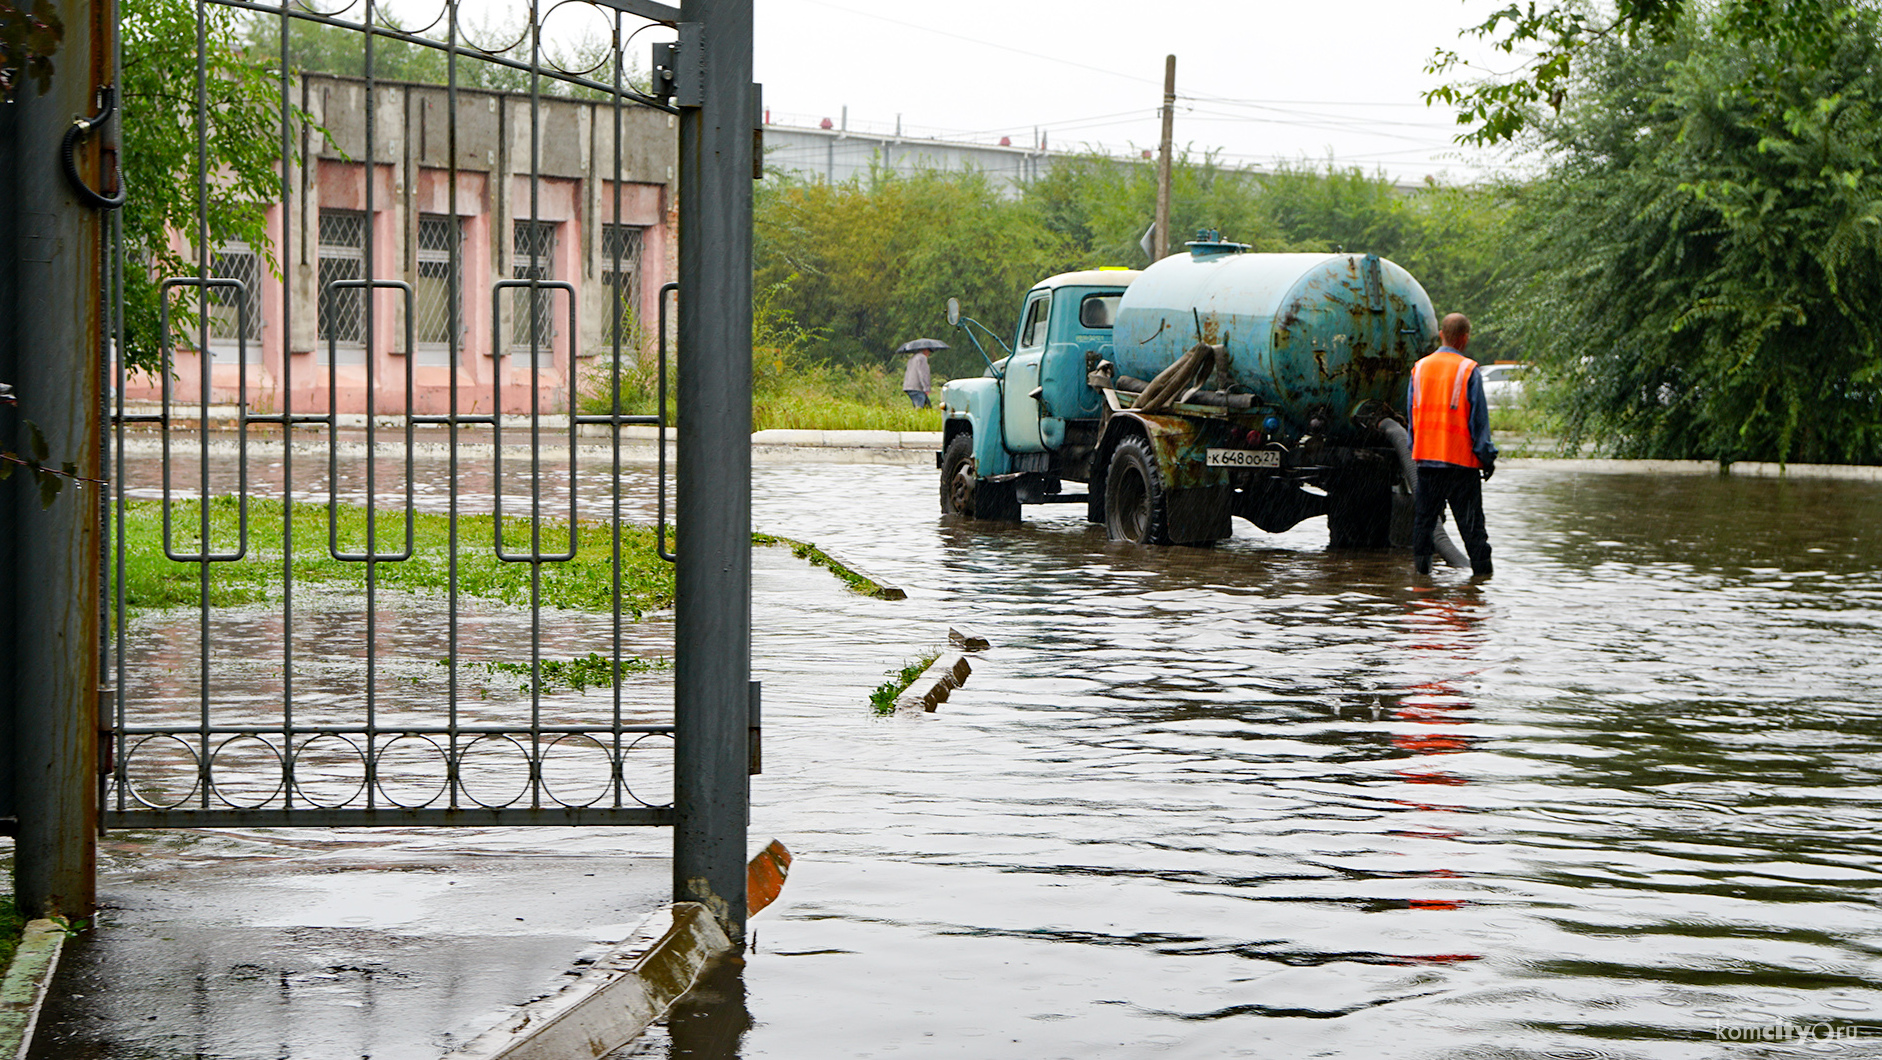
[1440,411]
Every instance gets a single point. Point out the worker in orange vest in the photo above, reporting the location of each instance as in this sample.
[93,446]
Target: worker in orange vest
[1450,432]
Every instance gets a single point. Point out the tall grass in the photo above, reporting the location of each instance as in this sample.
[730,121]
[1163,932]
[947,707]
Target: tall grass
[792,386]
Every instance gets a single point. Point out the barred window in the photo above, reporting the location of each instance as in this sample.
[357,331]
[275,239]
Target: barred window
[534,260]
[620,278]
[342,317]
[438,289]
[236,261]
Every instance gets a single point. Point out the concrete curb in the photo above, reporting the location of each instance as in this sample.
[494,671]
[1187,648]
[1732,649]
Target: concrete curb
[884,590]
[612,1002]
[967,640]
[1743,469]
[24,988]
[848,439]
[931,689]
[818,556]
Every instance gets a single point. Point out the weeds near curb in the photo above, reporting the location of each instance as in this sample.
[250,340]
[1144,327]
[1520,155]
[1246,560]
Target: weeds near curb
[804,550]
[883,698]
[577,674]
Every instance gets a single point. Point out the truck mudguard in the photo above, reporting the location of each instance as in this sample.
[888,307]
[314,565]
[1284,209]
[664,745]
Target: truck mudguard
[977,402]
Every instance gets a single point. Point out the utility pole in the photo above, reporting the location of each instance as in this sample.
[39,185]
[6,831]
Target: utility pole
[712,609]
[1160,240]
[51,347]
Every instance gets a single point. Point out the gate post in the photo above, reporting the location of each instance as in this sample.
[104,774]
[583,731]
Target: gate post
[712,609]
[50,350]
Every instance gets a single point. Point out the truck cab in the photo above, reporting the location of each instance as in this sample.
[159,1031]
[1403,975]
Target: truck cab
[1017,432]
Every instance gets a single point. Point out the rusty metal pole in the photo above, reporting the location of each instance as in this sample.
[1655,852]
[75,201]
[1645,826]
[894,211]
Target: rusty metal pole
[51,345]
[712,612]
[1160,239]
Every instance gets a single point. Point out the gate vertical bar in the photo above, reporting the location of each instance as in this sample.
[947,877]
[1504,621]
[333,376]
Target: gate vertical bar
[712,618]
[50,275]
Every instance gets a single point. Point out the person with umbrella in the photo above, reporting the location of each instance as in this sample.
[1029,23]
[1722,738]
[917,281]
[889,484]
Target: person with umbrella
[916,379]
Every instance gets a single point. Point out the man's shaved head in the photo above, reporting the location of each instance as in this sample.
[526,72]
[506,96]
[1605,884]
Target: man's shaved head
[1455,330]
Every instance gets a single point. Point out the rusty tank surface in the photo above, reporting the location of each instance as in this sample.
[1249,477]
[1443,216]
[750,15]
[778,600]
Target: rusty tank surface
[1310,336]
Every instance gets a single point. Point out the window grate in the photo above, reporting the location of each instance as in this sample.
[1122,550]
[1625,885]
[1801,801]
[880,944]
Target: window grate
[236,261]
[342,315]
[534,260]
[620,277]
[438,288]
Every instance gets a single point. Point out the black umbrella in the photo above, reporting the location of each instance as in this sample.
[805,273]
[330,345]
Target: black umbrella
[920,344]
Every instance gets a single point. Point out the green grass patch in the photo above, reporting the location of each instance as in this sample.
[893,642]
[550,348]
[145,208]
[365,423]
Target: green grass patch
[578,674]
[806,408]
[804,550]
[883,698]
[152,580]
[1517,420]
[10,927]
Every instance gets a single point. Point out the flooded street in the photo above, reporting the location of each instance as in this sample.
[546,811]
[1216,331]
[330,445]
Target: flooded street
[1269,801]
[1265,800]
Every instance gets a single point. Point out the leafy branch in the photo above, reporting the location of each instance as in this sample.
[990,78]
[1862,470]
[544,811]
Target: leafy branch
[49,480]
[28,41]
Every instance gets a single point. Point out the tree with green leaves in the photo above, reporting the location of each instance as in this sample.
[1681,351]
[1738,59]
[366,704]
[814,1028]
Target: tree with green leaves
[1704,262]
[1554,40]
[241,117]
[1100,206]
[871,262]
[316,47]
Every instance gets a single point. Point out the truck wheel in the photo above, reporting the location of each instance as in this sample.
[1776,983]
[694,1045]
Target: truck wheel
[965,494]
[1134,508]
[1359,514]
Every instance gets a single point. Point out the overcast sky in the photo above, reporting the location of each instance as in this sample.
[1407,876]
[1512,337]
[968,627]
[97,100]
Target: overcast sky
[1257,79]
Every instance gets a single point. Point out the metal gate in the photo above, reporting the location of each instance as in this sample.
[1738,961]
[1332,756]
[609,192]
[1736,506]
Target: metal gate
[397,392]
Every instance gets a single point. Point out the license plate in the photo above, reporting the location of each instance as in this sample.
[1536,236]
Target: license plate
[1243,458]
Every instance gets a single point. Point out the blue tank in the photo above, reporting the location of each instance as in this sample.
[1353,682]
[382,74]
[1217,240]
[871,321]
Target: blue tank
[1310,335]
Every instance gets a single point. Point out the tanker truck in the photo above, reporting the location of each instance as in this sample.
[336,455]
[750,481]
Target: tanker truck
[1210,385]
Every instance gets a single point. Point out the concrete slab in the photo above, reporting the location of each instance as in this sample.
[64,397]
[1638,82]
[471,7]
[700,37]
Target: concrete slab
[608,1005]
[930,690]
[347,955]
[23,989]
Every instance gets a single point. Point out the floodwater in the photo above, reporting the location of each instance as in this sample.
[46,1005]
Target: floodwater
[1621,800]
[1263,800]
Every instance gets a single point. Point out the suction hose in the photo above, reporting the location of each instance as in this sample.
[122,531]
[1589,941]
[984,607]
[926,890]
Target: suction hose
[1401,442]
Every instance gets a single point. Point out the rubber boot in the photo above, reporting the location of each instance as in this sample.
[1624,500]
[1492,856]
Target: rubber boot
[1480,565]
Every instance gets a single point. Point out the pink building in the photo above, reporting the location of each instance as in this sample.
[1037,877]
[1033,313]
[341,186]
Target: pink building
[455,324]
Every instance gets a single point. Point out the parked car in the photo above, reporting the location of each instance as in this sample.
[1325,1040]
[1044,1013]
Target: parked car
[1503,384]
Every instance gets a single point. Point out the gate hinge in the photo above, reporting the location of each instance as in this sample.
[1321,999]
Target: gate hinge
[679,67]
